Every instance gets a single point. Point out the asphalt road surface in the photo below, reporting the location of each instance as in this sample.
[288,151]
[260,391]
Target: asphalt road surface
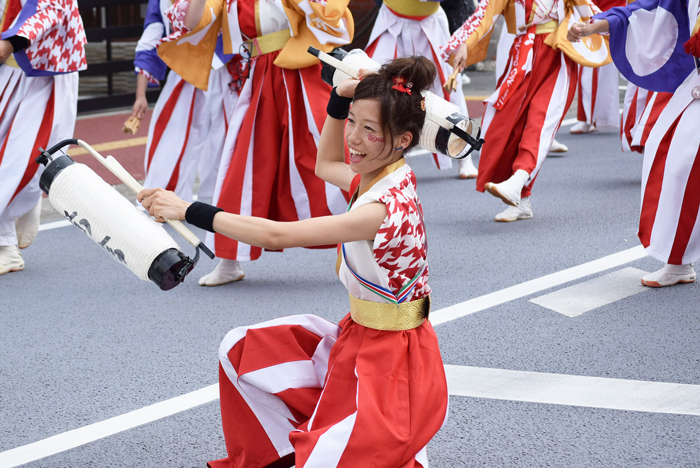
[596,372]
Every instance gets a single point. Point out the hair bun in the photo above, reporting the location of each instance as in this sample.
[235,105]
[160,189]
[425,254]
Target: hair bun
[417,70]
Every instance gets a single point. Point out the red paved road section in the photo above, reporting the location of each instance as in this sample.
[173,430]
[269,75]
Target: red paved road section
[95,130]
[476,109]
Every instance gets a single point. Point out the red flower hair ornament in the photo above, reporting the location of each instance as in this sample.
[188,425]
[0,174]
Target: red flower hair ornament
[401,85]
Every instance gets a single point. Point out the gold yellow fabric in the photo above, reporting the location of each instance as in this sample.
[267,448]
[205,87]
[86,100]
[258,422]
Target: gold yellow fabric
[696,28]
[11,61]
[389,317]
[413,7]
[269,43]
[294,55]
[191,55]
[478,41]
[592,51]
[546,28]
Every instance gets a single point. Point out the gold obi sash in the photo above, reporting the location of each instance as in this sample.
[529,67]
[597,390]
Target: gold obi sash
[412,9]
[11,61]
[389,317]
[546,28]
[272,42]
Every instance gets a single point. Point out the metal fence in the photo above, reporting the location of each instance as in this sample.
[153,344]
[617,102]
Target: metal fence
[112,27]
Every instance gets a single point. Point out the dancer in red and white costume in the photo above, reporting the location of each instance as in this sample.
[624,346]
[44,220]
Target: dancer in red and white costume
[370,391]
[41,50]
[669,226]
[267,165]
[505,41]
[533,95]
[404,28]
[186,120]
[598,91]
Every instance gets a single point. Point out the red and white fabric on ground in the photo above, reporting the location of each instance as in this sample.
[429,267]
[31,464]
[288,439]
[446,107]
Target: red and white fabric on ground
[599,96]
[35,112]
[669,227]
[184,120]
[394,36]
[518,136]
[347,395]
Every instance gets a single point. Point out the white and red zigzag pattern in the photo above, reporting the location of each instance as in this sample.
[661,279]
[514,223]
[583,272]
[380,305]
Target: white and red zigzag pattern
[57,37]
[176,15]
[400,247]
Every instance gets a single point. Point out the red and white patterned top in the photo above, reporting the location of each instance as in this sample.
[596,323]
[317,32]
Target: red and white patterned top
[399,250]
[56,37]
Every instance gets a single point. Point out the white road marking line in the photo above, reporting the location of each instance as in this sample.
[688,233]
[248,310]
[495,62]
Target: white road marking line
[54,225]
[534,286]
[476,382]
[84,435]
[574,390]
[592,294]
[106,428]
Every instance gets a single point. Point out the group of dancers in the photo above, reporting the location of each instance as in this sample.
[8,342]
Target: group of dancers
[292,153]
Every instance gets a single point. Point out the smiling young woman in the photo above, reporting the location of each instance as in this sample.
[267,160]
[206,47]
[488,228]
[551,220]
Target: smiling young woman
[370,391]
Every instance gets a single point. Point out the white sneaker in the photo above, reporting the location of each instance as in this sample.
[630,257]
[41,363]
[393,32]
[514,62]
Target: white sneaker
[582,127]
[467,170]
[227,271]
[509,191]
[558,147]
[670,275]
[514,213]
[27,226]
[10,259]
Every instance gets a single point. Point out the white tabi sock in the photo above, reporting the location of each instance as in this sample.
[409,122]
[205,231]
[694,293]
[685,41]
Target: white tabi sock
[227,271]
[10,259]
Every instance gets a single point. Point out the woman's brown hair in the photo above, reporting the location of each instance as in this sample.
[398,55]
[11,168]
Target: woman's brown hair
[400,112]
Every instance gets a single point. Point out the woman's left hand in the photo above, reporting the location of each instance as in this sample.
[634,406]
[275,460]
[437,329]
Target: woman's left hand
[162,204]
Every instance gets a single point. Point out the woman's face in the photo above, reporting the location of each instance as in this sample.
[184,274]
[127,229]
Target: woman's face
[369,150]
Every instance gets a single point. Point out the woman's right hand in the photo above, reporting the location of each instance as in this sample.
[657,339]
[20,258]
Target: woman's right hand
[347,88]
[140,107]
[459,58]
[576,32]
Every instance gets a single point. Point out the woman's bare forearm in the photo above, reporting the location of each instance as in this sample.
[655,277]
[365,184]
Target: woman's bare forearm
[598,27]
[330,158]
[360,224]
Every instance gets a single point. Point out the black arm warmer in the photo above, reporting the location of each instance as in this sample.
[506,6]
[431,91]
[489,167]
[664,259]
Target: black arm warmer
[18,42]
[338,106]
[202,215]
